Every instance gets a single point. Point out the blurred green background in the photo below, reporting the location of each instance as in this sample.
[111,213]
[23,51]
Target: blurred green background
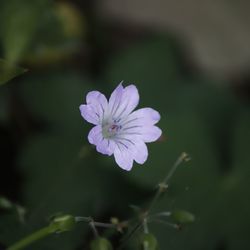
[188,62]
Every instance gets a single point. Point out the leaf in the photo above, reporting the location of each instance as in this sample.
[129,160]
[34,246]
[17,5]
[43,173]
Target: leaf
[63,92]
[58,37]
[9,71]
[19,22]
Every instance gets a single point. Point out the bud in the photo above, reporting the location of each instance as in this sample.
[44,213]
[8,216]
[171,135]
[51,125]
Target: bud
[63,223]
[100,243]
[182,216]
[114,221]
[149,242]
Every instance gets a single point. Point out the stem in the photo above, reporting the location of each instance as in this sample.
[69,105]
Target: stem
[145,226]
[40,234]
[161,189]
[96,223]
[95,232]
[129,235]
[181,158]
[163,185]
[166,223]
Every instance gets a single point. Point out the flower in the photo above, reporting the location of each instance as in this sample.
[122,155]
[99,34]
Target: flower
[118,129]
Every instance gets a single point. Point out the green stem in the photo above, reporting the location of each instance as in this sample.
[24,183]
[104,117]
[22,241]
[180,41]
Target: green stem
[160,190]
[40,234]
[164,184]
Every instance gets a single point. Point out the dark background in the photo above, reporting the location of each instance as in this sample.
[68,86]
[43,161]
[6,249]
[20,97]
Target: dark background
[189,60]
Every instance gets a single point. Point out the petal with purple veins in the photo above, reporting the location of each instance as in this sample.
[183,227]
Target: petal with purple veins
[129,101]
[151,133]
[89,114]
[95,135]
[98,102]
[123,157]
[143,116]
[115,99]
[140,152]
[146,133]
[135,146]
[106,146]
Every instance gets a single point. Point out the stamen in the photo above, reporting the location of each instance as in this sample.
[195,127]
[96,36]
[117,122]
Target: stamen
[111,130]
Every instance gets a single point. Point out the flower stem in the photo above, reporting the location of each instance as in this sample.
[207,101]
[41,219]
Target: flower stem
[95,223]
[40,234]
[164,184]
[60,223]
[160,190]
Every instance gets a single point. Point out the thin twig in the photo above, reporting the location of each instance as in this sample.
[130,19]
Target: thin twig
[130,234]
[164,184]
[96,223]
[161,189]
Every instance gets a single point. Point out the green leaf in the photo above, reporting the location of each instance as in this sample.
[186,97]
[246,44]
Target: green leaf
[63,92]
[9,71]
[5,203]
[19,22]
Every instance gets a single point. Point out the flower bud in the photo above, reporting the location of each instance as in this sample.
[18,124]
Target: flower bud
[149,242]
[63,223]
[100,243]
[182,216]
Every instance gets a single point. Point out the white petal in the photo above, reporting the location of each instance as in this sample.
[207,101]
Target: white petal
[106,147]
[146,133]
[115,99]
[135,146]
[123,157]
[140,152]
[95,135]
[103,145]
[151,133]
[89,114]
[144,116]
[98,103]
[129,101]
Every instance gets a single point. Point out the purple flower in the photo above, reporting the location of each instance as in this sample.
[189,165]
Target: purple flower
[118,129]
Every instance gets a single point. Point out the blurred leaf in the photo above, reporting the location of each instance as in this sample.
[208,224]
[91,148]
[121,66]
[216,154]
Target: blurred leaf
[146,64]
[63,92]
[5,203]
[9,71]
[9,206]
[19,21]
[59,35]
[71,18]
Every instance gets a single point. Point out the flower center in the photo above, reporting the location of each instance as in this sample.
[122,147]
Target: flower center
[109,130]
